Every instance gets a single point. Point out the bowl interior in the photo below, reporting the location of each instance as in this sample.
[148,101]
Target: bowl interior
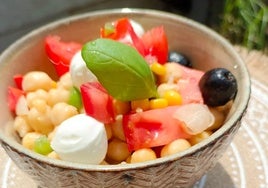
[205,48]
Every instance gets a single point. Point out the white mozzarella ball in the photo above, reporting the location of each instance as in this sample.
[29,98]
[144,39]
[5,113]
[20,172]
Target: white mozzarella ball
[79,72]
[81,139]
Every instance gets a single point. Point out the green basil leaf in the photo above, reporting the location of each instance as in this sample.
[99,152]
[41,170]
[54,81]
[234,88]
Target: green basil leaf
[120,69]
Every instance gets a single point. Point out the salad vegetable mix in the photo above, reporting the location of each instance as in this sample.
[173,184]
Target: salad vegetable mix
[121,98]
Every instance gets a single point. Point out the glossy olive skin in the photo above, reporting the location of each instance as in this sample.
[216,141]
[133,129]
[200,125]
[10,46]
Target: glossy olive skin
[218,86]
[179,58]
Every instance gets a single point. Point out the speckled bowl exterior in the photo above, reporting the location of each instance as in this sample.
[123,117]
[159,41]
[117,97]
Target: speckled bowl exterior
[205,48]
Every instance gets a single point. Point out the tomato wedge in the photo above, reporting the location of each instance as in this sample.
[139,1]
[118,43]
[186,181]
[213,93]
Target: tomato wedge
[156,44]
[152,128]
[60,53]
[13,96]
[18,80]
[153,45]
[97,102]
[122,31]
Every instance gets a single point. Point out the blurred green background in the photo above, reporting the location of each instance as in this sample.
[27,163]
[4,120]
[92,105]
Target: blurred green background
[243,22]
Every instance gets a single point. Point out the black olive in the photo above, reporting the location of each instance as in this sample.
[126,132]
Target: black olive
[218,86]
[179,58]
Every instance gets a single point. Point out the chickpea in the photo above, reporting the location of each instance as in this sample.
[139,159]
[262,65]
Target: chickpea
[117,129]
[143,104]
[53,155]
[40,121]
[38,94]
[121,107]
[21,126]
[199,137]
[57,95]
[117,150]
[142,155]
[21,106]
[65,81]
[62,111]
[29,139]
[35,80]
[175,147]
[104,163]
[128,160]
[51,134]
[225,108]
[40,105]
[108,130]
[82,110]
[219,118]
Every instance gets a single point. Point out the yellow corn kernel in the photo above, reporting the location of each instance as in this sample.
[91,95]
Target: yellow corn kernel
[173,97]
[158,103]
[143,104]
[164,87]
[158,69]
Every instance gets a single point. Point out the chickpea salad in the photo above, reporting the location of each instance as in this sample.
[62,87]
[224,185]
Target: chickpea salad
[121,98]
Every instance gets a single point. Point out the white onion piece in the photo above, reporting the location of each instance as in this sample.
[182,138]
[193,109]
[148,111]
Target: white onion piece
[196,117]
[21,106]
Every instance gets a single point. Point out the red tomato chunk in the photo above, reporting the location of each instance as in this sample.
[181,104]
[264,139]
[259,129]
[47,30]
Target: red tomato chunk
[97,102]
[13,96]
[60,53]
[152,128]
[156,44]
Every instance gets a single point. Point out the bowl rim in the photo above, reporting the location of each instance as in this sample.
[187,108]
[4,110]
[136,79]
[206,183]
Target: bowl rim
[121,167]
